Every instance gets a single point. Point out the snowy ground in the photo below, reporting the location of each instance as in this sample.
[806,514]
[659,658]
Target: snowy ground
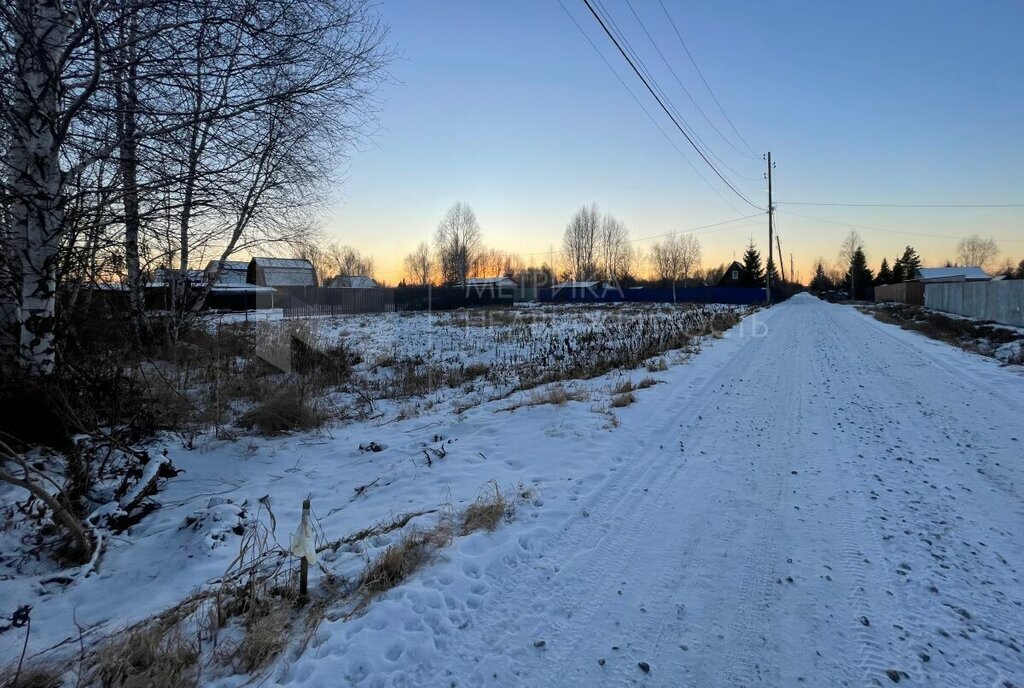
[817,498]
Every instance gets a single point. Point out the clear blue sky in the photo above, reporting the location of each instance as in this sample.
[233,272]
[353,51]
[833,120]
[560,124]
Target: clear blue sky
[505,105]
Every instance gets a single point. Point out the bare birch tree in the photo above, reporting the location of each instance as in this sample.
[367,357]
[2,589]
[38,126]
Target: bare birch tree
[283,88]
[580,243]
[976,251]
[419,266]
[458,243]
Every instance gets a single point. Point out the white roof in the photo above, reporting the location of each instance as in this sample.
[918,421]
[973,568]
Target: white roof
[576,285]
[489,281]
[283,263]
[954,273]
[286,272]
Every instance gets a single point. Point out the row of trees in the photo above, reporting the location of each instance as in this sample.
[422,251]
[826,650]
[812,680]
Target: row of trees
[595,246]
[165,132]
[853,273]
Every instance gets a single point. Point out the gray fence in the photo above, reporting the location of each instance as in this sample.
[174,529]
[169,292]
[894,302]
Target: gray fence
[1001,301]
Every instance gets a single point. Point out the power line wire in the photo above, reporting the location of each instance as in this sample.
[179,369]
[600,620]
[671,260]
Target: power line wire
[706,84]
[690,96]
[665,234]
[649,74]
[887,231]
[645,110]
[632,65]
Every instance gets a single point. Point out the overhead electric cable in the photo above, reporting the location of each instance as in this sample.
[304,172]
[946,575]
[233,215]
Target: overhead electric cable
[647,85]
[706,84]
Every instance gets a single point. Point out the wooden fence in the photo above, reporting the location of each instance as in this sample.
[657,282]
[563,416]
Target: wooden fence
[904,292]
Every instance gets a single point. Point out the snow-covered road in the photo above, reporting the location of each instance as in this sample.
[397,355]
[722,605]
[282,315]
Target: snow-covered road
[834,502]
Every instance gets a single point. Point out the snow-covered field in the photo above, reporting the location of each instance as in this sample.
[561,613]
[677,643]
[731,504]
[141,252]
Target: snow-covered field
[815,498]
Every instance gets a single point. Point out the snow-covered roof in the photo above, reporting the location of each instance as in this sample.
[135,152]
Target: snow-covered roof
[576,285]
[233,272]
[489,282]
[353,282]
[162,276]
[285,272]
[952,274]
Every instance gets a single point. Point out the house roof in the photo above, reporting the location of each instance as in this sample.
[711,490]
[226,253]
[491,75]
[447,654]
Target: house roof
[577,285]
[954,273]
[353,282]
[286,272]
[488,281]
[233,272]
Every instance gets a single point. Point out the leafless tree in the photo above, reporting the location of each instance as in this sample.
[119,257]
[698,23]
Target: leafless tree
[458,243]
[419,266]
[976,251]
[667,260]
[494,262]
[689,255]
[580,243]
[259,102]
[850,246]
[614,249]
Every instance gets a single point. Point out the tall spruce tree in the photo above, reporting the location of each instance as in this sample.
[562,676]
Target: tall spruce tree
[770,269]
[884,273]
[897,272]
[911,263]
[861,275]
[820,281]
[754,273]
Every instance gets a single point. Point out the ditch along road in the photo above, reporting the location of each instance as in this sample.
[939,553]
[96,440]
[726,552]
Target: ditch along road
[837,502]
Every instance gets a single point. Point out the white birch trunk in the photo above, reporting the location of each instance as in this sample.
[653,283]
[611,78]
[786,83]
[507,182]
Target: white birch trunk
[36,181]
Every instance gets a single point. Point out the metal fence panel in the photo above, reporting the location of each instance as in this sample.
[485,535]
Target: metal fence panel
[1000,301]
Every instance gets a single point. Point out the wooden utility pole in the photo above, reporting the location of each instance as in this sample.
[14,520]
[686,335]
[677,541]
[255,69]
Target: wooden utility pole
[782,261]
[771,230]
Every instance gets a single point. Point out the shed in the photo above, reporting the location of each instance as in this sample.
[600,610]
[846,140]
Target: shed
[281,272]
[735,276]
[352,282]
[951,274]
[231,271]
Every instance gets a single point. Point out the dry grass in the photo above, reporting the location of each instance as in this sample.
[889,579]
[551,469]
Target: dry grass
[620,400]
[401,560]
[486,512]
[155,655]
[285,410]
[32,677]
[267,633]
[623,386]
[646,382]
[657,366]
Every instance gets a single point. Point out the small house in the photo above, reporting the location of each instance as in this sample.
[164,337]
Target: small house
[489,283]
[230,272]
[281,272]
[951,274]
[735,276]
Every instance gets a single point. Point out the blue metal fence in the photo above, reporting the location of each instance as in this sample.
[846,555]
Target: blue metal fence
[733,295]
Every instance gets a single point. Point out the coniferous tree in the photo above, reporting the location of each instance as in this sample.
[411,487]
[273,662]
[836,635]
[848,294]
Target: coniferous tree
[1019,274]
[754,274]
[911,263]
[770,269]
[897,272]
[820,281]
[861,273]
[884,273]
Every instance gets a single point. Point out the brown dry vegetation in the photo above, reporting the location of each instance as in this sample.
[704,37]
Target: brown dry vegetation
[964,333]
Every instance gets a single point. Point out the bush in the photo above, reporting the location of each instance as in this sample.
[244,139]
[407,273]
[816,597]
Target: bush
[285,410]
